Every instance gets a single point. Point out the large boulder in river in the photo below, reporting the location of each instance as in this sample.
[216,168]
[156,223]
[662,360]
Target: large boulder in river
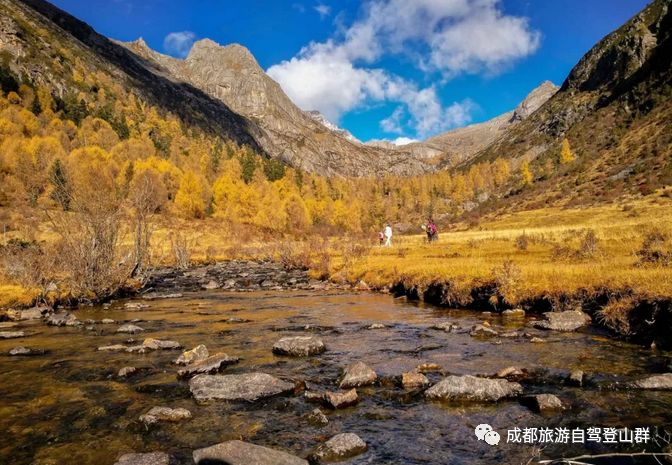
[338,400]
[157,414]
[62,319]
[11,334]
[299,346]
[474,389]
[244,453]
[150,458]
[213,364]
[356,375]
[197,354]
[481,330]
[340,447]
[244,387]
[34,313]
[570,320]
[543,402]
[659,382]
[413,380]
[160,344]
[129,328]
[26,351]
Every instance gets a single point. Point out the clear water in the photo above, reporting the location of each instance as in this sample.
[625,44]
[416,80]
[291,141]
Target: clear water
[69,407]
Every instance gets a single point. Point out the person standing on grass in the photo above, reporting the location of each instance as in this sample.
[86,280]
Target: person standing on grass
[381,238]
[388,235]
[432,230]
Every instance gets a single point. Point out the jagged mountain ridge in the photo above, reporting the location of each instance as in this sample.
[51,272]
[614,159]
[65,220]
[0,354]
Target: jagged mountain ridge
[232,75]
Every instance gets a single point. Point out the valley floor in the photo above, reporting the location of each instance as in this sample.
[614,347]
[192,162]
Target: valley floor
[609,259]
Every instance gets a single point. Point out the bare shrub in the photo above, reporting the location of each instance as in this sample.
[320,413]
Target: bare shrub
[616,314]
[28,264]
[508,281]
[147,194]
[181,251]
[294,255]
[655,249]
[589,245]
[352,252]
[522,242]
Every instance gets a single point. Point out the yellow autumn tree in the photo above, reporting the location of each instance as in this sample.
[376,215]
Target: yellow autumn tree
[566,154]
[526,174]
[190,197]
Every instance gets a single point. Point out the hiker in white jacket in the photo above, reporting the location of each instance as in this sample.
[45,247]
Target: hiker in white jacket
[388,235]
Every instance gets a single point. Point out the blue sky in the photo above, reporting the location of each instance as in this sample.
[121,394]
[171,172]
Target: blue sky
[383,69]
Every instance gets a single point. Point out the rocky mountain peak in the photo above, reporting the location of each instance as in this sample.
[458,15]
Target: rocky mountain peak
[234,55]
[534,100]
[618,56]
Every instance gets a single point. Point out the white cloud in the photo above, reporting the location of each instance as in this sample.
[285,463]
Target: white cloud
[323,10]
[179,43]
[393,122]
[455,36]
[399,141]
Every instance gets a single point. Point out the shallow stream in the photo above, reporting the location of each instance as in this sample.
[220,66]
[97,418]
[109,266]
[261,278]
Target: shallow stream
[70,407]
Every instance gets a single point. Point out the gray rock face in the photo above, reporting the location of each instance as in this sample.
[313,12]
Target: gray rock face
[244,453]
[245,387]
[338,400]
[197,354]
[570,320]
[150,458]
[129,329]
[157,414]
[340,447]
[356,375]
[62,319]
[656,382]
[534,100]
[544,402]
[107,321]
[299,346]
[232,75]
[213,364]
[11,334]
[474,389]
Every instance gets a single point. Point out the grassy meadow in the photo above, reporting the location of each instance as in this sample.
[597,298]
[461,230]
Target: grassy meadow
[550,252]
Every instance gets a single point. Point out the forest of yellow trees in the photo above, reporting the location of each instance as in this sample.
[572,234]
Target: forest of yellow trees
[46,145]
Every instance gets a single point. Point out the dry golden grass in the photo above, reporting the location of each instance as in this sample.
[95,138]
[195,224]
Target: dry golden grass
[467,259]
[16,296]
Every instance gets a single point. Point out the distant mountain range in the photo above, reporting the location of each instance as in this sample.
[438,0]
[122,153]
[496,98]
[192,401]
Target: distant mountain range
[615,91]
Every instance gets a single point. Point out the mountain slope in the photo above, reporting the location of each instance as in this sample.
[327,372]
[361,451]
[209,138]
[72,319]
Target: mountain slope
[615,108]
[30,55]
[231,74]
[460,145]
